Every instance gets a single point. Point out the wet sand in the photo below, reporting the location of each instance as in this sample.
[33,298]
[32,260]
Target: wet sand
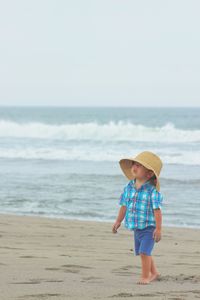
[44,258]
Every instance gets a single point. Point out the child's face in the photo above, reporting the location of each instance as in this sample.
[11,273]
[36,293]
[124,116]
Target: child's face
[140,171]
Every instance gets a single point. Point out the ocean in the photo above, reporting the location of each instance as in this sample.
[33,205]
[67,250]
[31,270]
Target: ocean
[62,162]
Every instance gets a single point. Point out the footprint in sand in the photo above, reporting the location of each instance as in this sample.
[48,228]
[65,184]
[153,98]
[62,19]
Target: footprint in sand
[181,278]
[122,295]
[68,268]
[42,296]
[32,281]
[54,280]
[137,296]
[74,268]
[11,248]
[36,281]
[91,279]
[52,269]
[123,271]
[31,256]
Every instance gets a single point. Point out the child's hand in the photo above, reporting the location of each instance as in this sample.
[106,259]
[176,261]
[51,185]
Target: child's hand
[157,235]
[116,225]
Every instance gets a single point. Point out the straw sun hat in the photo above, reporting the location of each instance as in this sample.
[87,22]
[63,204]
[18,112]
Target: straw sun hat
[148,159]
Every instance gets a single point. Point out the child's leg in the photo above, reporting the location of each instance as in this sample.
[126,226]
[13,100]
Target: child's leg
[146,268]
[146,243]
[153,267]
[154,273]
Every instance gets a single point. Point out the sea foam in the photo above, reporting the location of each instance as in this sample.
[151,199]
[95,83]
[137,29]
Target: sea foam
[111,131]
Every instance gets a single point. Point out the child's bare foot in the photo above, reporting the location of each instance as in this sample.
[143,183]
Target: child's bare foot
[143,281]
[154,277]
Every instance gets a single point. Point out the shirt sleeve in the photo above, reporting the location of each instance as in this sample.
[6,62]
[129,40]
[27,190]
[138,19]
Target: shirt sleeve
[157,199]
[123,197]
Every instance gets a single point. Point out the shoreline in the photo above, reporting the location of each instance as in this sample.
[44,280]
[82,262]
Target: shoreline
[84,220]
[46,258]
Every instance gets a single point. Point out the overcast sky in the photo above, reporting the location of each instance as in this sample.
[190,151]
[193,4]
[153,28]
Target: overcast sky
[104,52]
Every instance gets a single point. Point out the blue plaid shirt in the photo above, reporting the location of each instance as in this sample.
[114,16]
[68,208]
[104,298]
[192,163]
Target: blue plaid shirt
[140,204]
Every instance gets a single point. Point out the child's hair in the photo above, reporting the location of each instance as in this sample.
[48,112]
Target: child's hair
[153,180]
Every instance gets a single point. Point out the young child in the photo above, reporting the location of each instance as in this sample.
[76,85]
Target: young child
[141,203]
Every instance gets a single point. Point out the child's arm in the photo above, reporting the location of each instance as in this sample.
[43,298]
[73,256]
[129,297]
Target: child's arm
[121,215]
[158,219]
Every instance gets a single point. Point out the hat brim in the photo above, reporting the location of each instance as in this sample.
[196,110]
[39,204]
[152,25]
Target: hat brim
[126,164]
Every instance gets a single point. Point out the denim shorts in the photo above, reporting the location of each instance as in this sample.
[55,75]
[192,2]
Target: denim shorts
[144,240]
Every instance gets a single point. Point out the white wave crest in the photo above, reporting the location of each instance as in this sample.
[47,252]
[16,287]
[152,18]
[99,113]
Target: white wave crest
[111,131]
[95,155]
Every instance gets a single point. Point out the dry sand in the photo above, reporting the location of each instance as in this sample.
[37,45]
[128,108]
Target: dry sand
[43,258]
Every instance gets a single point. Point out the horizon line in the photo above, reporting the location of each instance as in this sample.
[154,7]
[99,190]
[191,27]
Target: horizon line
[89,106]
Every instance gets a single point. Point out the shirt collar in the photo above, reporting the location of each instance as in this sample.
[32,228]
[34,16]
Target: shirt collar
[142,186]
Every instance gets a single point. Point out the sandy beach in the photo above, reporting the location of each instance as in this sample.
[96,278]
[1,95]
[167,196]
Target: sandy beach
[43,258]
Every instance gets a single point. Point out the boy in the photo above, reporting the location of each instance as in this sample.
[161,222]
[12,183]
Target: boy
[141,203]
